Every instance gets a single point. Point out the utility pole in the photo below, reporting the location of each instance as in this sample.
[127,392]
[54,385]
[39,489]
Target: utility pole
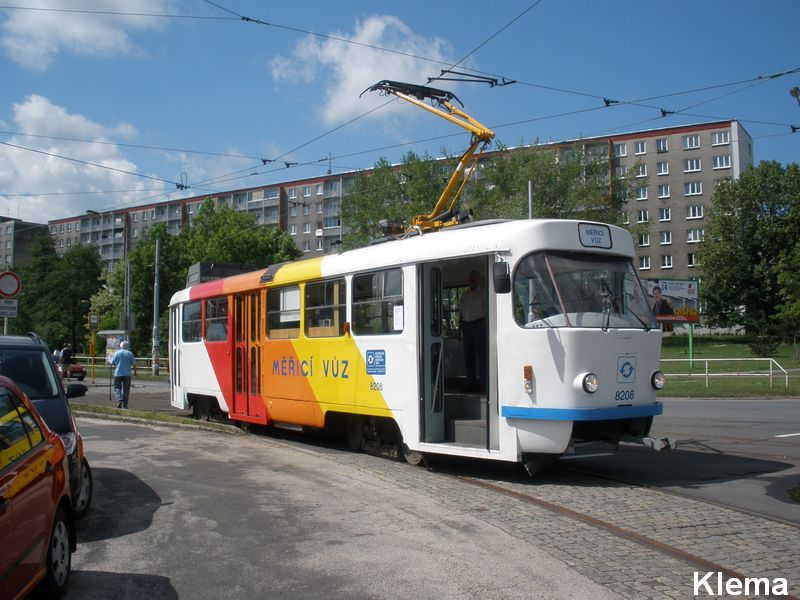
[530,199]
[156,309]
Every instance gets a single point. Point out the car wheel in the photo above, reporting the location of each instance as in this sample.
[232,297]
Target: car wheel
[80,504]
[59,557]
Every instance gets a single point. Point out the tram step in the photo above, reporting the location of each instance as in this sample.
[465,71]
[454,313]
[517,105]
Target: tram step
[469,431]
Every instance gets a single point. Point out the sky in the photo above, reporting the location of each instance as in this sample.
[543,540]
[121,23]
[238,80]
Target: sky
[106,104]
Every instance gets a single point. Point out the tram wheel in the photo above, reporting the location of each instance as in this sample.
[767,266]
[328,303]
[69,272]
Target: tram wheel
[536,463]
[354,432]
[413,457]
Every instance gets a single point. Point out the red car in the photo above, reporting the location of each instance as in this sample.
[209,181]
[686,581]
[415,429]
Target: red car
[72,369]
[36,525]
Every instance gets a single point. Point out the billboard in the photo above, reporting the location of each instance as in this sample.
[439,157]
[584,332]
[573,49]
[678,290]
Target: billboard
[673,300]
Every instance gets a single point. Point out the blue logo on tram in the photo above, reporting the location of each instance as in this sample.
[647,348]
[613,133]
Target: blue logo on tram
[626,369]
[376,362]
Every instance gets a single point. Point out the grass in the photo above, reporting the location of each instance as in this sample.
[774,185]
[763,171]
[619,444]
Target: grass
[729,377]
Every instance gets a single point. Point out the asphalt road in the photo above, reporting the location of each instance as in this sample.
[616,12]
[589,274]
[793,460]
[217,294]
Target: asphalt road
[738,452]
[179,513]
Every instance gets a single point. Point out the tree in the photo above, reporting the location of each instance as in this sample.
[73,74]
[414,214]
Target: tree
[54,300]
[395,194]
[214,235]
[752,243]
[569,183]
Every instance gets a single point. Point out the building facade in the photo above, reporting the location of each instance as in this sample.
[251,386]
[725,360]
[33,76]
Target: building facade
[676,170]
[16,239]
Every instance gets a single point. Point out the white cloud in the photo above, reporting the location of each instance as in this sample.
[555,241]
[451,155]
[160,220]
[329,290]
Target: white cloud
[348,69]
[27,172]
[32,38]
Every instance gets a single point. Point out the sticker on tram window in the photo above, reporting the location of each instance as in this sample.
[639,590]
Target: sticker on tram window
[376,362]
[593,235]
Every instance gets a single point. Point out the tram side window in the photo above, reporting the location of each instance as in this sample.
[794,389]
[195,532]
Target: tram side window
[191,323]
[378,303]
[283,312]
[325,308]
[216,321]
[535,295]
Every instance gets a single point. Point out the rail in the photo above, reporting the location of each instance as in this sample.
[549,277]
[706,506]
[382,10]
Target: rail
[708,374]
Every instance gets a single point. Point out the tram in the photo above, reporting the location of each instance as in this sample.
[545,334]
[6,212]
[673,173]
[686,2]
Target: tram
[367,343]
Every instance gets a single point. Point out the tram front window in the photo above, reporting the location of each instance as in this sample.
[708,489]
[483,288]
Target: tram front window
[570,289]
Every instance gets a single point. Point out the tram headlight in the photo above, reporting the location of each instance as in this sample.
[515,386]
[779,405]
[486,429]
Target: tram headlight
[590,383]
[657,380]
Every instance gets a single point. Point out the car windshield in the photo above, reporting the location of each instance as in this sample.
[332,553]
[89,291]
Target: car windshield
[570,289]
[31,370]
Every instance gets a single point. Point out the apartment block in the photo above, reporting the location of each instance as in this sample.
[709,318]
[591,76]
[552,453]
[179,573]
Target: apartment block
[16,239]
[676,170]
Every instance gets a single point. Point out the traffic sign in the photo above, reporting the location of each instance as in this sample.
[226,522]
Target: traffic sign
[10,284]
[8,308]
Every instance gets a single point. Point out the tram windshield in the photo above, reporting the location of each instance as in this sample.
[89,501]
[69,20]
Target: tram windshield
[571,289]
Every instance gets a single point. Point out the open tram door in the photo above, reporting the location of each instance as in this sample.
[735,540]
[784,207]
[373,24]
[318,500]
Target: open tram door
[247,402]
[452,412]
[432,355]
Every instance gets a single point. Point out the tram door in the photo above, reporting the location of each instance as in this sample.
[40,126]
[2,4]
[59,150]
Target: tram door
[432,355]
[247,400]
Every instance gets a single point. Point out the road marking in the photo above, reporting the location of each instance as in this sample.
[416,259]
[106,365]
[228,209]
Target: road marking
[787,435]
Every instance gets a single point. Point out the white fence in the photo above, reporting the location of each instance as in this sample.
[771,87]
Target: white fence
[771,366]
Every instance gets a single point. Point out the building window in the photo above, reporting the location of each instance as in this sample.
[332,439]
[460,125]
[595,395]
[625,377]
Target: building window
[144,216]
[319,189]
[53,229]
[665,238]
[619,172]
[666,261]
[306,246]
[723,161]
[641,193]
[135,233]
[694,236]
[306,227]
[319,244]
[626,218]
[692,188]
[644,240]
[640,147]
[292,229]
[664,214]
[319,208]
[644,263]
[641,170]
[642,216]
[662,168]
[306,210]
[306,191]
[720,138]
[293,194]
[293,210]
[691,142]
[61,229]
[273,194]
[690,165]
[663,190]
[620,150]
[694,211]
[662,145]
[691,259]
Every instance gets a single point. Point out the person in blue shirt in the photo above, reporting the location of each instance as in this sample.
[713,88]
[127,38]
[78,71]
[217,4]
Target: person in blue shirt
[125,365]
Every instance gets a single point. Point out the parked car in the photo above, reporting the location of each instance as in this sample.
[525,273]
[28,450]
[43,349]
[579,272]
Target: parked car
[72,369]
[26,360]
[37,528]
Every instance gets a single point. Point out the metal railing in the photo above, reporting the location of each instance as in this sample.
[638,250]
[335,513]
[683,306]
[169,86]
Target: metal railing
[737,372]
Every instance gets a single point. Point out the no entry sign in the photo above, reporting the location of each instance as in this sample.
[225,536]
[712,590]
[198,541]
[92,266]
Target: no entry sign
[9,284]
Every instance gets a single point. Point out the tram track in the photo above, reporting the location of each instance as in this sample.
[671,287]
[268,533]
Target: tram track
[670,550]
